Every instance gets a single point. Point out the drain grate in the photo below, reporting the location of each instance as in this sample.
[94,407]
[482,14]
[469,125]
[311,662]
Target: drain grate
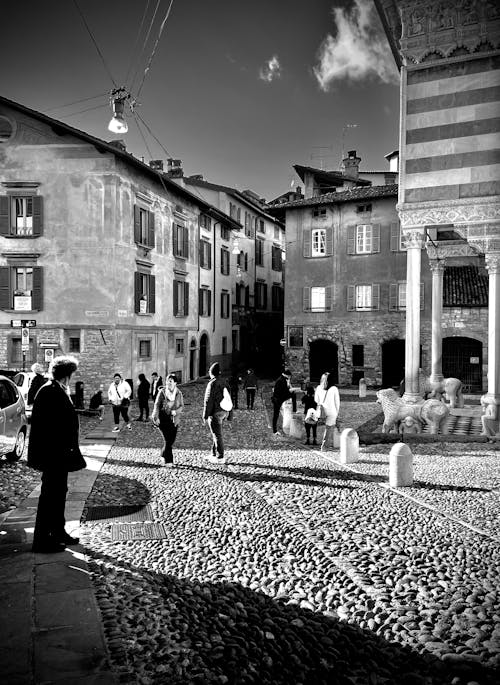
[138,531]
[124,512]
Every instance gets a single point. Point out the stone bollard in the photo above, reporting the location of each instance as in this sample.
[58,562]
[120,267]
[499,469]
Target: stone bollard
[286,412]
[362,387]
[400,466]
[349,446]
[297,429]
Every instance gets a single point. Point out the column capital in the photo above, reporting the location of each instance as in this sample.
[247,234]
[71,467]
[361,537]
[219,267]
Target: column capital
[437,265]
[414,239]
[492,260]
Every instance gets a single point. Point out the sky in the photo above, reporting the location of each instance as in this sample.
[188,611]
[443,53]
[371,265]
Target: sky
[239,91]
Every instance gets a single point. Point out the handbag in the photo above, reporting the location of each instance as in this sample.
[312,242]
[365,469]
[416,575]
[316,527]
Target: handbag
[226,403]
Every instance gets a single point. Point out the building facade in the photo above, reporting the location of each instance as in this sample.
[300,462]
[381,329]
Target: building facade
[109,258]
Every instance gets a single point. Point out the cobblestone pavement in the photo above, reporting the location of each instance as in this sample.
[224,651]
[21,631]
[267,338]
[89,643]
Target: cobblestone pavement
[284,567]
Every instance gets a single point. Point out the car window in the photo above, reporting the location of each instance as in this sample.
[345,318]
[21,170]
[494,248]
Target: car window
[8,395]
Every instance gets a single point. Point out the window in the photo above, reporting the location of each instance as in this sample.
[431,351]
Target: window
[358,355]
[74,343]
[317,242]
[205,302]
[295,336]
[224,344]
[317,298]
[144,226]
[21,288]
[205,222]
[397,238]
[363,239]
[225,233]
[364,208]
[259,252]
[363,297]
[145,294]
[277,298]
[225,303]
[205,254]
[319,213]
[21,215]
[179,347]
[261,226]
[276,257]
[180,237]
[181,298]
[261,295]
[224,261]
[397,296]
[145,349]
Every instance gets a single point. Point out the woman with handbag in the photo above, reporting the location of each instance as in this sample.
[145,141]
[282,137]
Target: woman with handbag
[119,393]
[166,414]
[53,449]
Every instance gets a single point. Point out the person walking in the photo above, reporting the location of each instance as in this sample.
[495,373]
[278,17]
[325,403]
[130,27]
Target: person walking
[97,403]
[143,391]
[167,411]
[310,415]
[250,386]
[119,393]
[214,414]
[36,383]
[53,449]
[281,393]
[331,406]
[156,384]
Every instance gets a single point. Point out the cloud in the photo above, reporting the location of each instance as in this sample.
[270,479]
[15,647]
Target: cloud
[271,70]
[358,51]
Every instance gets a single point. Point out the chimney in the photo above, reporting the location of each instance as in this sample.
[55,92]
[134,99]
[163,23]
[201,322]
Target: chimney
[174,168]
[156,164]
[350,165]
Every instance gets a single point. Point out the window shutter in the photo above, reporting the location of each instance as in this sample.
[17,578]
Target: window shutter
[394,236]
[209,302]
[376,296]
[328,298]
[351,296]
[421,296]
[137,292]
[329,242]
[175,293]
[307,298]
[137,225]
[185,243]
[151,229]
[393,297]
[37,215]
[306,237]
[152,295]
[4,214]
[37,301]
[5,297]
[351,240]
[186,299]
[375,237]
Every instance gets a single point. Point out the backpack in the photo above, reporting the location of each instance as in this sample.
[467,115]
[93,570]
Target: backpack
[226,402]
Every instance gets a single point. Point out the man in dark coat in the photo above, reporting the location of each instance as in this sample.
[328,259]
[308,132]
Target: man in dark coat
[214,415]
[36,383]
[281,393]
[53,449]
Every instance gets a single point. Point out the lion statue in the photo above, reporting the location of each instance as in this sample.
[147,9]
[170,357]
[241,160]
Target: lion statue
[432,412]
[449,390]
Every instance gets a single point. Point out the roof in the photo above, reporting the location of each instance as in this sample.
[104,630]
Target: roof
[330,177]
[465,286]
[102,145]
[353,194]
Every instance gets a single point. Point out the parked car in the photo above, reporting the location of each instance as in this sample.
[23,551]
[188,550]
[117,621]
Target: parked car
[13,420]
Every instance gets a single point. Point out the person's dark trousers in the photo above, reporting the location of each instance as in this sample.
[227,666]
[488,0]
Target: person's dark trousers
[250,397]
[215,427]
[117,410]
[169,431]
[50,519]
[144,408]
[234,397]
[314,427]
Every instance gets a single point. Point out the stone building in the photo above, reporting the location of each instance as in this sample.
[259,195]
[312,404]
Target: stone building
[110,258]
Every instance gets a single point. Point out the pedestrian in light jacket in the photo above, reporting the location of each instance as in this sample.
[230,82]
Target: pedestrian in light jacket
[214,415]
[53,449]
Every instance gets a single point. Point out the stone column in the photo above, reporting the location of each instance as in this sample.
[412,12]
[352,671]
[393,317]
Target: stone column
[437,270]
[414,240]
[493,395]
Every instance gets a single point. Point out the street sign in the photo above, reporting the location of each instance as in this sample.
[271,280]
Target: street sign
[22,323]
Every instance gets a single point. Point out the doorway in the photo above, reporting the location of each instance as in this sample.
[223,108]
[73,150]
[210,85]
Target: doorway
[393,363]
[202,362]
[323,356]
[463,359]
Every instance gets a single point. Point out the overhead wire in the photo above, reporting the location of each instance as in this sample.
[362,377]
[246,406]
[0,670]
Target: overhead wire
[162,26]
[95,42]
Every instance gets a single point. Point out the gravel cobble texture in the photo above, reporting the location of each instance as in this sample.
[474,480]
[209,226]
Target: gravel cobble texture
[284,567]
